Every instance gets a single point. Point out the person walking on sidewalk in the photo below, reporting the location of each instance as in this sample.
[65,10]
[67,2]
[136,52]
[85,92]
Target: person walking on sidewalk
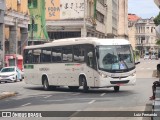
[155,84]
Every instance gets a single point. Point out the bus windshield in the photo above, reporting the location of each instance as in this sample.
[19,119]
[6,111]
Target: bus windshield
[114,58]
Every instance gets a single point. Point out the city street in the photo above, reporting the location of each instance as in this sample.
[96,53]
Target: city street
[132,98]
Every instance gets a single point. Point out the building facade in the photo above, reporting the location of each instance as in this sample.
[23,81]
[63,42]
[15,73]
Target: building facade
[16,25]
[112,18]
[123,19]
[157,2]
[77,18]
[14,21]
[2,32]
[146,36]
[132,20]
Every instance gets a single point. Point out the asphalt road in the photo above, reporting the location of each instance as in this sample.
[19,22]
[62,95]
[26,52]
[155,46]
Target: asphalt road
[131,98]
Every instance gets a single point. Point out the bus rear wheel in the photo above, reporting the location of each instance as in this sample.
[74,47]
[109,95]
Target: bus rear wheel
[46,84]
[116,88]
[73,87]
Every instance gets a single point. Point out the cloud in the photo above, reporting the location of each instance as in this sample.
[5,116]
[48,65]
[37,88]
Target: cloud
[143,8]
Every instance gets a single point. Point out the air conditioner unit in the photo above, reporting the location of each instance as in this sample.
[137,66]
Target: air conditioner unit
[18,2]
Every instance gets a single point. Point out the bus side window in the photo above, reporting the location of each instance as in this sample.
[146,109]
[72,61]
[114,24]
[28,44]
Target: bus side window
[78,53]
[28,56]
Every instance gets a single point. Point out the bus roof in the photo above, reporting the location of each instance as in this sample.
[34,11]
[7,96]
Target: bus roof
[87,40]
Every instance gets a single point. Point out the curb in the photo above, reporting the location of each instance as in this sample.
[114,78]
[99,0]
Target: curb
[4,95]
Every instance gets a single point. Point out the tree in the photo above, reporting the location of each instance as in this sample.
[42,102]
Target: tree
[158,42]
[157,20]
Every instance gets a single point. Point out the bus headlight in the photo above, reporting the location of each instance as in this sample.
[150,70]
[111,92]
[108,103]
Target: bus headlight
[133,74]
[103,75]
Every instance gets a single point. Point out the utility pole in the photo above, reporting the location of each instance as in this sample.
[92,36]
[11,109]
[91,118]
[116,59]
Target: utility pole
[16,42]
[84,20]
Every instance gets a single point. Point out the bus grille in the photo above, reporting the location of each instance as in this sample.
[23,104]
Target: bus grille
[119,82]
[119,77]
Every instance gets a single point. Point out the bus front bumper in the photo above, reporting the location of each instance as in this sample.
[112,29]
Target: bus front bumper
[110,82]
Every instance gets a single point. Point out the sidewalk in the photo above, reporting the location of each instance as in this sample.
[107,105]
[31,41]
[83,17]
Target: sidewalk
[7,94]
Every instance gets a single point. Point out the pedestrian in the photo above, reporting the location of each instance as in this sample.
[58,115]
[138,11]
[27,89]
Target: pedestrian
[155,84]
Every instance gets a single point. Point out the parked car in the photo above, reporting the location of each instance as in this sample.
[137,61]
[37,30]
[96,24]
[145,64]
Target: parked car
[153,56]
[10,74]
[146,56]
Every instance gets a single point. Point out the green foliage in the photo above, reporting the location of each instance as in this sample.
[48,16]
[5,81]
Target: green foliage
[157,20]
[158,42]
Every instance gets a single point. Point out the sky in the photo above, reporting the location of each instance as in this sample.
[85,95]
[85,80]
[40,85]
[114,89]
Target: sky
[143,8]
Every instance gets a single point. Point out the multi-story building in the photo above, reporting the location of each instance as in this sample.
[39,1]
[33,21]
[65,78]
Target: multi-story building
[157,2]
[2,9]
[132,20]
[112,18]
[146,35]
[14,21]
[16,25]
[123,19]
[77,18]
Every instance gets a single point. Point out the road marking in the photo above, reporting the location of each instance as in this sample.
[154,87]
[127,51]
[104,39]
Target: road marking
[84,99]
[26,104]
[78,110]
[48,96]
[102,94]
[148,68]
[91,102]
[76,94]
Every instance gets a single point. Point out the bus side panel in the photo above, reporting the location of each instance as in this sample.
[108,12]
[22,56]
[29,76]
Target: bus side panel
[32,74]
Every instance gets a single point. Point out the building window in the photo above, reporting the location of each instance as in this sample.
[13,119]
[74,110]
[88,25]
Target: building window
[35,27]
[32,3]
[101,1]
[99,17]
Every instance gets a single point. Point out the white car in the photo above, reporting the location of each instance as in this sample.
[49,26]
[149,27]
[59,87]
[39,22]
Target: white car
[146,57]
[154,56]
[10,74]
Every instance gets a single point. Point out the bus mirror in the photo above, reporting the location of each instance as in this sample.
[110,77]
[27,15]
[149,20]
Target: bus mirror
[90,54]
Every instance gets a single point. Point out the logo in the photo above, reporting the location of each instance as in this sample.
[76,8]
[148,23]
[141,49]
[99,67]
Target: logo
[6,114]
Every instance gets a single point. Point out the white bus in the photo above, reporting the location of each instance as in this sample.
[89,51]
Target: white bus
[75,62]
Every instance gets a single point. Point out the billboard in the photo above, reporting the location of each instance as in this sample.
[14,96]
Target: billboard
[64,9]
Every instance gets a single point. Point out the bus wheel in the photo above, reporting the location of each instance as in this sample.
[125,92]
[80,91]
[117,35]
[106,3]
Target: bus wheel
[73,87]
[84,84]
[116,88]
[46,84]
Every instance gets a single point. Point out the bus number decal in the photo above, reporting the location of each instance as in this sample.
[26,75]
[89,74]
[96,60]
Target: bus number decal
[43,69]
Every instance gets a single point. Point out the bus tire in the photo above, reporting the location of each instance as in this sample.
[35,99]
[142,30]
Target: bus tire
[116,88]
[73,87]
[45,84]
[84,85]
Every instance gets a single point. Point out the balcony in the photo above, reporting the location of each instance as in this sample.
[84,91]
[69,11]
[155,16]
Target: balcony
[9,19]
